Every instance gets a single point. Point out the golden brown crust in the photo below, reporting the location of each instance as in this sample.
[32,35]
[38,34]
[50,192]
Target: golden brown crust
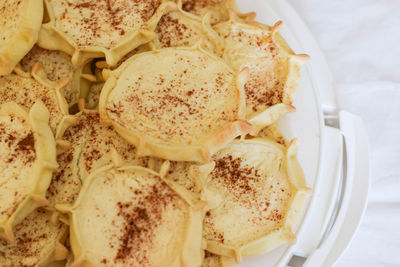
[104,31]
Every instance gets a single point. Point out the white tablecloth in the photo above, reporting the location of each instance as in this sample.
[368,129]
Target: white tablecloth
[361,41]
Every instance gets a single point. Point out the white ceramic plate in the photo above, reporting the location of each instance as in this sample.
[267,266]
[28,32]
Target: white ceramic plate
[305,124]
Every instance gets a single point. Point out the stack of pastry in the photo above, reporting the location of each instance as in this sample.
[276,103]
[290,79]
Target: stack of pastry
[144,133]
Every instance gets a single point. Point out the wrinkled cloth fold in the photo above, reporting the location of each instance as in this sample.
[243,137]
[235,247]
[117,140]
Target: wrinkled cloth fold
[360,40]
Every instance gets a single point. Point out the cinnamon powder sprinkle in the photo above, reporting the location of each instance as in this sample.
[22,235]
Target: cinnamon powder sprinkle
[259,94]
[27,91]
[21,147]
[175,102]
[244,184]
[31,236]
[140,221]
[96,18]
[171,32]
[238,179]
[27,146]
[266,85]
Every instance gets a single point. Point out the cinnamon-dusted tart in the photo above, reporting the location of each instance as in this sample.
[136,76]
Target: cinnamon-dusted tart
[20,24]
[131,216]
[273,67]
[263,191]
[85,145]
[181,104]
[57,65]
[27,159]
[27,88]
[39,241]
[94,29]
[180,28]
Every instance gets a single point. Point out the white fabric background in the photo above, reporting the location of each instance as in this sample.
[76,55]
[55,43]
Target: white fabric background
[361,41]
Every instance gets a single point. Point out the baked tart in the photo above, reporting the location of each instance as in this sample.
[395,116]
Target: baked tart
[27,88]
[20,24]
[143,221]
[263,191]
[27,159]
[95,29]
[85,145]
[274,69]
[39,241]
[180,104]
[180,28]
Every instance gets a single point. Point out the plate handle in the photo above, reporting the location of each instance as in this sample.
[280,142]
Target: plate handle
[353,194]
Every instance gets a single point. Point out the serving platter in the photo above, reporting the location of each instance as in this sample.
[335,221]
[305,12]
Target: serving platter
[333,152]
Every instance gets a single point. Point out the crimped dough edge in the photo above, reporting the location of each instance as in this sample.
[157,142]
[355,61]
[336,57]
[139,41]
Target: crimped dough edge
[52,38]
[24,38]
[283,235]
[200,152]
[44,165]
[190,254]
